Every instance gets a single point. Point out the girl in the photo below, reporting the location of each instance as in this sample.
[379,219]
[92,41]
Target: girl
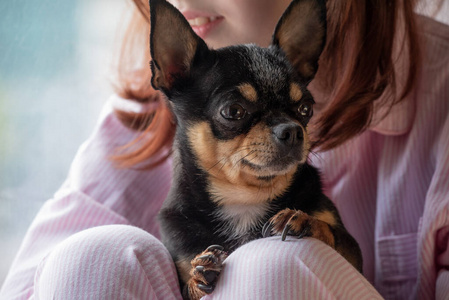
[380,129]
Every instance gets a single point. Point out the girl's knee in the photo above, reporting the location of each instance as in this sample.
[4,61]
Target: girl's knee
[292,269]
[108,261]
[105,243]
[274,251]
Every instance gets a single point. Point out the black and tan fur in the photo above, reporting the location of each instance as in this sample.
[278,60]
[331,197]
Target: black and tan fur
[241,145]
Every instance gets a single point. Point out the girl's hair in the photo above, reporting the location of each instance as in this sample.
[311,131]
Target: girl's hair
[358,62]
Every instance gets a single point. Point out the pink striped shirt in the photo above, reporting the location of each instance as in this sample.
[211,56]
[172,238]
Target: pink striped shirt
[390,184]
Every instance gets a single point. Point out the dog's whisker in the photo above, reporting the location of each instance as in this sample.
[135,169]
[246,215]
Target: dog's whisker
[216,164]
[222,166]
[242,158]
[243,148]
[251,159]
[227,158]
[316,155]
[208,170]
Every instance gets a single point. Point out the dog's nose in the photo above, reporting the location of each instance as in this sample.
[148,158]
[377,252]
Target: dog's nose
[288,134]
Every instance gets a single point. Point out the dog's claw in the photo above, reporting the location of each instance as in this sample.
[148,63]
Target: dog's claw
[206,288]
[302,234]
[209,276]
[214,247]
[200,269]
[285,231]
[208,257]
[266,229]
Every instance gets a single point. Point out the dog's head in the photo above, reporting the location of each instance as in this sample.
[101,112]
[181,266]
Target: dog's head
[242,110]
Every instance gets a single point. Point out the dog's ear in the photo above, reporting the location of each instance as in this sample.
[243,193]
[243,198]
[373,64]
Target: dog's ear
[173,44]
[301,34]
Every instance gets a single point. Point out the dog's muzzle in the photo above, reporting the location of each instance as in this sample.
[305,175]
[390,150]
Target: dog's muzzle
[286,149]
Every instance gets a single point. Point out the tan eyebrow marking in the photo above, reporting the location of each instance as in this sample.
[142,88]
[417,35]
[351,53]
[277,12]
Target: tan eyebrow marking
[295,92]
[248,91]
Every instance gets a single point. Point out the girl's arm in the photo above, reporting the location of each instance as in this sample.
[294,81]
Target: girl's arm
[95,193]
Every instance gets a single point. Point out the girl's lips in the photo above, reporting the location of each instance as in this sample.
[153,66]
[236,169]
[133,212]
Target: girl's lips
[202,23]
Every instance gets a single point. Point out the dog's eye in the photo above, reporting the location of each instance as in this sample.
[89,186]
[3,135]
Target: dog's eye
[234,112]
[305,110]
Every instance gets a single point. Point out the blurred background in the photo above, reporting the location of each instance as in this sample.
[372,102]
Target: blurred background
[55,75]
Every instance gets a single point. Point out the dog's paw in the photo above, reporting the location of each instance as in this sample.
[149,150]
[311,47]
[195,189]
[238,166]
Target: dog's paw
[299,224]
[206,268]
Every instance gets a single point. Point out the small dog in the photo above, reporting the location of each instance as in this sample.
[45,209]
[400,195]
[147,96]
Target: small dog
[241,145]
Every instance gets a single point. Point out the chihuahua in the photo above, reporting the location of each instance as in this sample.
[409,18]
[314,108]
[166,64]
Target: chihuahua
[241,144]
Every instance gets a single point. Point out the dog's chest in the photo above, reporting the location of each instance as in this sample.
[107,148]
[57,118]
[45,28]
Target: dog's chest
[239,221]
